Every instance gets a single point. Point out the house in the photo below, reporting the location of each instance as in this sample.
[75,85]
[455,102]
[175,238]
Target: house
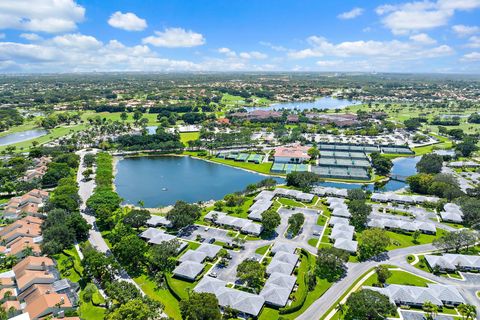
[156,221]
[292,154]
[27,227]
[346,244]
[452,213]
[282,262]
[29,203]
[194,256]
[283,247]
[294,194]
[342,231]
[188,270]
[453,262]
[413,296]
[247,304]
[34,270]
[210,250]
[401,224]
[244,225]
[277,289]
[337,221]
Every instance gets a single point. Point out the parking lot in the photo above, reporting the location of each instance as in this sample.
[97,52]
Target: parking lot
[208,234]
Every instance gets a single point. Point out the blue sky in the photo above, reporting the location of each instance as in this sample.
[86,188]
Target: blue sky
[239,35]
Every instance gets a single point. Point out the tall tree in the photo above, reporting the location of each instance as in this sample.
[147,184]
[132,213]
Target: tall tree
[368,305]
[200,306]
[183,214]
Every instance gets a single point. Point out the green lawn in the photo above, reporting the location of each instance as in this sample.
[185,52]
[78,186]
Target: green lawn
[69,265]
[322,286]
[401,240]
[400,277]
[172,308]
[89,311]
[262,250]
[261,168]
[189,136]
[290,202]
[313,242]
[52,135]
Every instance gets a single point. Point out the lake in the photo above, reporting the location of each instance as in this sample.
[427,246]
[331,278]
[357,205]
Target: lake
[22,136]
[322,103]
[161,181]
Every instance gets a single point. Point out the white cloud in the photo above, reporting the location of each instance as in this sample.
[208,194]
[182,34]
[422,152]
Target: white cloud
[175,38]
[272,46]
[355,12]
[422,15]
[242,55]
[474,42]
[30,36]
[127,21]
[51,16]
[400,50]
[472,56]
[329,63]
[227,52]
[423,38]
[253,55]
[463,31]
[84,53]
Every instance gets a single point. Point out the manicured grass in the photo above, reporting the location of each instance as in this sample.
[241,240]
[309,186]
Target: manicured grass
[261,168]
[262,250]
[172,308]
[89,311]
[52,135]
[321,220]
[322,286]
[313,242]
[401,240]
[69,265]
[290,202]
[400,277]
[189,136]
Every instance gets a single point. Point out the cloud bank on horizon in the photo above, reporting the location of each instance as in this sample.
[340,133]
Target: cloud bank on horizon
[383,36]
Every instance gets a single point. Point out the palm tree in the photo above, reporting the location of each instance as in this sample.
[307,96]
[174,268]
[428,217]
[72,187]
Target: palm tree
[467,311]
[431,310]
[341,308]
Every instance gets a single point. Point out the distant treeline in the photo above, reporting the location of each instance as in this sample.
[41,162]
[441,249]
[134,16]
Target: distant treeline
[160,141]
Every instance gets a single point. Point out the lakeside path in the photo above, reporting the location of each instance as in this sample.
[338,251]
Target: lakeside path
[397,258]
[85,190]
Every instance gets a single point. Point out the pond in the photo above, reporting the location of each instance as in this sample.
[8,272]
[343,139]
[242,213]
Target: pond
[322,103]
[21,136]
[401,166]
[161,181]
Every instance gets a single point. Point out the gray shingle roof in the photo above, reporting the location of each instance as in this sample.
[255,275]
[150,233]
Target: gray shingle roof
[277,289]
[188,269]
[155,221]
[193,255]
[452,261]
[412,295]
[346,244]
[239,300]
[211,250]
[283,247]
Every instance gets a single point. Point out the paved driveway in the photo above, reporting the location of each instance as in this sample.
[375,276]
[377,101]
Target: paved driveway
[206,233]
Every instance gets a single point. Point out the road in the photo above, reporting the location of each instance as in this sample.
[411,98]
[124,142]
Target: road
[397,258]
[85,190]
